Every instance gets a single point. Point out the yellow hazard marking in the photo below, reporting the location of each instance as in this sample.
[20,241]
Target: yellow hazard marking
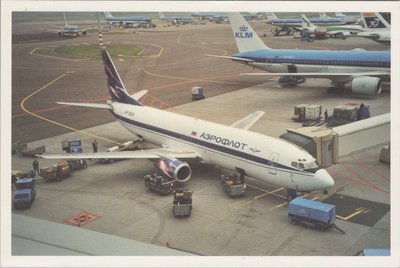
[358,211]
[251,199]
[54,122]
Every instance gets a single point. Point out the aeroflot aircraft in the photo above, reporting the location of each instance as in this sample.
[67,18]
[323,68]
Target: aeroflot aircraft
[363,70]
[180,137]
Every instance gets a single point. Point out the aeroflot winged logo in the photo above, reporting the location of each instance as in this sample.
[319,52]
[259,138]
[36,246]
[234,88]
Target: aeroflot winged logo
[243,33]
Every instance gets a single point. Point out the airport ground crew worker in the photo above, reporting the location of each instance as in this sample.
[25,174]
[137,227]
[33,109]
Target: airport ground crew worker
[94,144]
[326,115]
[35,166]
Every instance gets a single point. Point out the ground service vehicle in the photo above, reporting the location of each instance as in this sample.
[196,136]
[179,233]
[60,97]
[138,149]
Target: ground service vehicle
[25,193]
[20,174]
[233,185]
[56,172]
[309,212]
[182,204]
[72,146]
[160,184]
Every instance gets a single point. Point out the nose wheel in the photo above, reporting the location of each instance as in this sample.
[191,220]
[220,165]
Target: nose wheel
[291,194]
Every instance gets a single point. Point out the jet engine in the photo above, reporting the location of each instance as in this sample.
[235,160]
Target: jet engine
[367,85]
[175,169]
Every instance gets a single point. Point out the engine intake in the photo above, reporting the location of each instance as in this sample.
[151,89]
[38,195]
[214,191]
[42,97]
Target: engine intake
[367,85]
[175,169]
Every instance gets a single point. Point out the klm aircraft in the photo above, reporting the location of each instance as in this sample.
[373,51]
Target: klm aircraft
[364,71]
[274,20]
[181,137]
[132,19]
[70,30]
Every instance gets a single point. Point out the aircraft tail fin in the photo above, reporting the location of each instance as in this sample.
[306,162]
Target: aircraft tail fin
[65,19]
[323,15]
[306,23]
[246,38]
[271,16]
[374,21]
[339,14]
[116,87]
[108,15]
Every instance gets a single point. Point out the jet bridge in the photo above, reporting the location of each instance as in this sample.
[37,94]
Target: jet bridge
[328,145]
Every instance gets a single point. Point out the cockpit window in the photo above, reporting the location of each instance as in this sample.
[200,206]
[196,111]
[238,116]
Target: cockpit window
[304,166]
[310,165]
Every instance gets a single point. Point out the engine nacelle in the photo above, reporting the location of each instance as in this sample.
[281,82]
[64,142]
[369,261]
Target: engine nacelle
[367,85]
[175,169]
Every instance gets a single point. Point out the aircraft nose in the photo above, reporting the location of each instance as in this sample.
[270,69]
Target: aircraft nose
[324,180]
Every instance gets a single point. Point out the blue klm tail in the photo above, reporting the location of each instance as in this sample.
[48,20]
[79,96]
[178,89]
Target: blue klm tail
[115,86]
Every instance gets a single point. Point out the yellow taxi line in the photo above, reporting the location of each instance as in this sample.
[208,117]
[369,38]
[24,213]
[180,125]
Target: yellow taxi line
[54,122]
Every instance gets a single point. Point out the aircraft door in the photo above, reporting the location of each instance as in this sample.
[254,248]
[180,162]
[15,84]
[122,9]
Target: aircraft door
[325,65]
[269,61]
[292,68]
[273,163]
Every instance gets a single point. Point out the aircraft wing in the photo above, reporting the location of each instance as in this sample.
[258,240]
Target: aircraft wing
[231,58]
[248,121]
[139,154]
[321,75]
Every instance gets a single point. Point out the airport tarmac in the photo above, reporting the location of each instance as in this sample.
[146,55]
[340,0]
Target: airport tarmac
[253,225]
[256,224]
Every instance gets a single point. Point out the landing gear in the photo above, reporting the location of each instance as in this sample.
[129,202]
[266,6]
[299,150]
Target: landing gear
[338,88]
[291,194]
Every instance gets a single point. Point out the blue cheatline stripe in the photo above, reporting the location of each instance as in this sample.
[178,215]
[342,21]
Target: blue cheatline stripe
[218,148]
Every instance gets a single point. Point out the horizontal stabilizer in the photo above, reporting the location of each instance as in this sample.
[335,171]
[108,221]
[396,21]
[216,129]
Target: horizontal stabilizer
[140,154]
[248,121]
[138,95]
[89,105]
[231,58]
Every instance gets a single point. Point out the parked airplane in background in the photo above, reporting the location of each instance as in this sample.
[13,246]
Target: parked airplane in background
[331,31]
[364,71]
[222,16]
[341,16]
[69,29]
[127,21]
[180,137]
[375,27]
[274,20]
[176,19]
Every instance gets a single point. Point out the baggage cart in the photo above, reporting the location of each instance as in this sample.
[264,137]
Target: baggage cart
[233,185]
[182,204]
[160,184]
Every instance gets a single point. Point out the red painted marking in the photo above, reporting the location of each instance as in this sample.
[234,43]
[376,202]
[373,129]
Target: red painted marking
[82,218]
[369,168]
[368,183]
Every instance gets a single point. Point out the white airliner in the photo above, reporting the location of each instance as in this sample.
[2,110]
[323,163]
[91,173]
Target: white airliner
[71,30]
[375,27]
[180,137]
[364,71]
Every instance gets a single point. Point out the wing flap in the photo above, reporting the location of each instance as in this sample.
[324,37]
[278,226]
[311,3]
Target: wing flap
[248,121]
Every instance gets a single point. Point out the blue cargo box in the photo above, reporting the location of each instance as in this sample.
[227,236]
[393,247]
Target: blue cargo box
[312,210]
